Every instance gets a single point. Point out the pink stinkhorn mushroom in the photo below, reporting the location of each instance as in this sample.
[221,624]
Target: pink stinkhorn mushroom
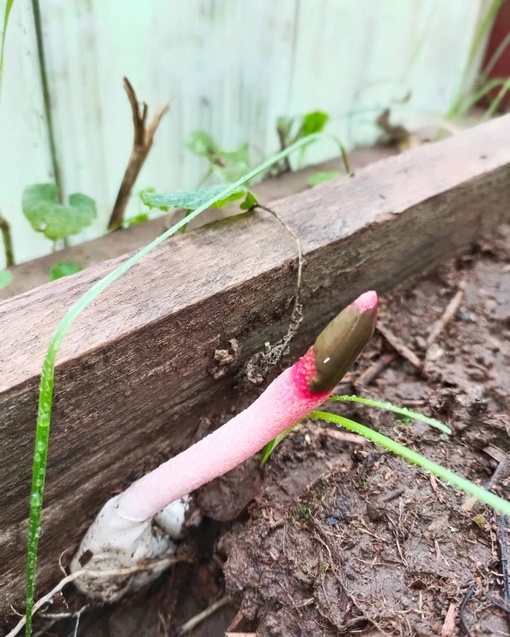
[139,524]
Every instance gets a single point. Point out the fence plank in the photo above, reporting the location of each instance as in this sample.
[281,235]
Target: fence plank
[134,382]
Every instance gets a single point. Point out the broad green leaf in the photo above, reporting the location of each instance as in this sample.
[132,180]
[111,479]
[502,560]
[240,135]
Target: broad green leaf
[189,200]
[313,122]
[64,268]
[5,278]
[55,220]
[322,176]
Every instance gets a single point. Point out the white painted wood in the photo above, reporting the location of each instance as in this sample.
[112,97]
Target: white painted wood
[229,68]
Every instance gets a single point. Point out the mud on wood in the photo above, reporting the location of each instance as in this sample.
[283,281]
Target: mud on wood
[132,380]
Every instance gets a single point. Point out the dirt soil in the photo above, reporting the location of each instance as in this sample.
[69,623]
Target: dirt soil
[338,537]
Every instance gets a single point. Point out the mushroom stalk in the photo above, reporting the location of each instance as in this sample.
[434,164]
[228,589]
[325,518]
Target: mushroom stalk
[124,533]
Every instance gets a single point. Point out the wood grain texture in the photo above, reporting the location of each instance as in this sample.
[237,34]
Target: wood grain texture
[133,382]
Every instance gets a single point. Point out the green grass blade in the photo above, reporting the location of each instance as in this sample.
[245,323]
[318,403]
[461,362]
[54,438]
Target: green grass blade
[497,503]
[271,446]
[48,368]
[7,13]
[401,411]
[495,58]
[458,107]
[496,101]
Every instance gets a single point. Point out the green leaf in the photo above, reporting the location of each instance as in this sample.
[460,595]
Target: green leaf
[321,176]
[134,221]
[190,199]
[313,122]
[227,165]
[5,278]
[249,201]
[230,166]
[201,144]
[64,268]
[55,220]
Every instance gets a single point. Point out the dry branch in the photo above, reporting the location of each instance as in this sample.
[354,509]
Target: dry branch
[5,229]
[142,143]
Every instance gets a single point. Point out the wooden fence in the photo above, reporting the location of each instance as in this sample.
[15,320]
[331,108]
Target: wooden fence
[226,67]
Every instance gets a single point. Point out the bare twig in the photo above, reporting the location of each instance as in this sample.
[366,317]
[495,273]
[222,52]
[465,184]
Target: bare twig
[499,473]
[46,599]
[504,558]
[448,314]
[448,629]
[200,617]
[465,600]
[235,622]
[284,166]
[399,347]
[370,374]
[142,143]
[5,229]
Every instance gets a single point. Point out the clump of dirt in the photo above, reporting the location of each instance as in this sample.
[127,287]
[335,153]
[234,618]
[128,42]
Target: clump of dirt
[335,536]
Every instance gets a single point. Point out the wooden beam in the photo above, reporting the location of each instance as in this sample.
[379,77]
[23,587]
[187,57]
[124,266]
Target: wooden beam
[134,382]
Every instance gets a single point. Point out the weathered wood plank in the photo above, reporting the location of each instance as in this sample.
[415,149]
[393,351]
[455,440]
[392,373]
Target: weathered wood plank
[133,383]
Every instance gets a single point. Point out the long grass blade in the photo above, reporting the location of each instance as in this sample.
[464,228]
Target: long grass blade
[401,411]
[497,503]
[7,14]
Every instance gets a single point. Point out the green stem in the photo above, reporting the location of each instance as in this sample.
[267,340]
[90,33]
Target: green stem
[5,228]
[46,98]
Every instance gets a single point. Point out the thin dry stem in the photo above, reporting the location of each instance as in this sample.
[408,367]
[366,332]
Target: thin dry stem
[5,229]
[120,572]
[142,143]
[448,314]
[205,614]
